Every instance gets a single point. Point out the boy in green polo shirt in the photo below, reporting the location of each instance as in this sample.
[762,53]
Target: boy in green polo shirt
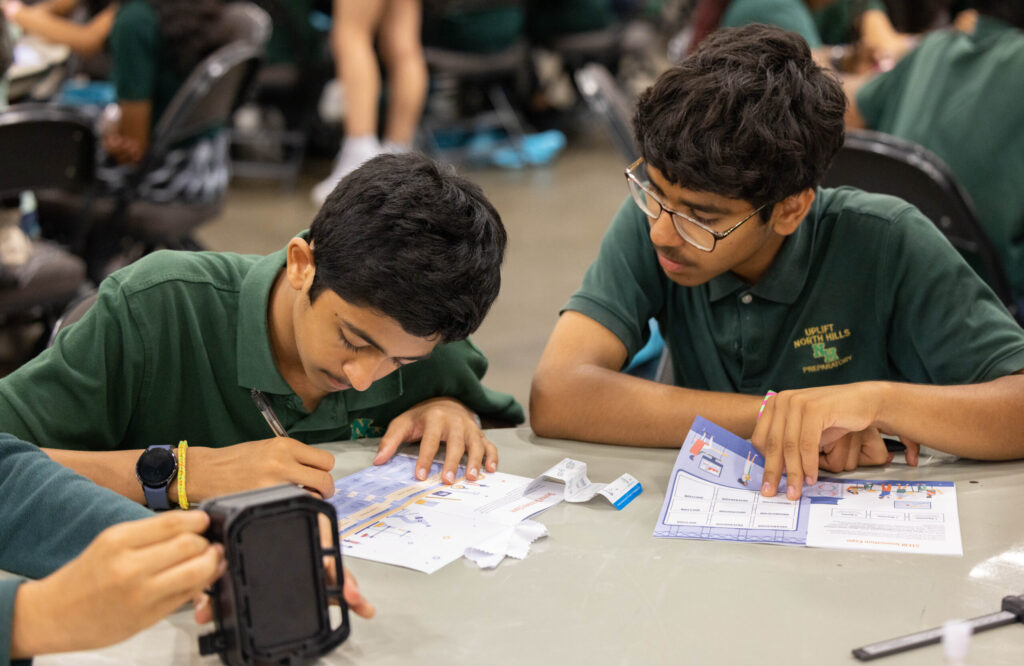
[357,328]
[851,304]
[958,95]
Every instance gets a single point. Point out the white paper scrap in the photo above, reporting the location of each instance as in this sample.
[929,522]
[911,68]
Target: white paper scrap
[578,488]
[514,542]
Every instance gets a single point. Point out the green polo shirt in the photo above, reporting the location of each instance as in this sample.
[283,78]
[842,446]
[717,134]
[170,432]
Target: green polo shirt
[865,289]
[790,15]
[959,96]
[141,69]
[174,345]
[836,21]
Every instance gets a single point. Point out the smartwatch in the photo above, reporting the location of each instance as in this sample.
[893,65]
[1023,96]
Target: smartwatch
[156,468]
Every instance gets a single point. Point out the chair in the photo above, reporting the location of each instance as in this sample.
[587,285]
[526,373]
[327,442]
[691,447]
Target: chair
[877,162]
[46,147]
[206,100]
[605,98]
[75,311]
[475,81]
[282,112]
[477,56]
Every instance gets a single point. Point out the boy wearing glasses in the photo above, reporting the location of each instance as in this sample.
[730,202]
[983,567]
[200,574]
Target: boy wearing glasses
[852,305]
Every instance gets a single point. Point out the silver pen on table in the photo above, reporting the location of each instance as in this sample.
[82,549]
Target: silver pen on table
[263,405]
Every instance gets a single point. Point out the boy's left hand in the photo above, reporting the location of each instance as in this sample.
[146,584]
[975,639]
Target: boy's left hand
[796,426]
[432,422]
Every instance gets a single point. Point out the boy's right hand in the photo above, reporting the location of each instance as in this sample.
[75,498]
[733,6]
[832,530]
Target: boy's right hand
[130,577]
[213,472]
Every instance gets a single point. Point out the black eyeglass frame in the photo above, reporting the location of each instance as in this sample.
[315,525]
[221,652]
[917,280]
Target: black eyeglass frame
[716,235]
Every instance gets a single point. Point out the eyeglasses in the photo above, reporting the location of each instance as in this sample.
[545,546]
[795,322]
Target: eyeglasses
[693,232]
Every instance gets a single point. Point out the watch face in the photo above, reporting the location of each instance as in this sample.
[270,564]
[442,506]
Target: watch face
[156,467]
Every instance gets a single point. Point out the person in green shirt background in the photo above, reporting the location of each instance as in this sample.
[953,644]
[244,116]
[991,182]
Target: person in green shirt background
[958,94]
[862,23]
[357,328]
[853,305]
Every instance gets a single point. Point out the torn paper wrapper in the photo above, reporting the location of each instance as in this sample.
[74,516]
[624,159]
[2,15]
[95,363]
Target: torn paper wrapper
[514,542]
[578,488]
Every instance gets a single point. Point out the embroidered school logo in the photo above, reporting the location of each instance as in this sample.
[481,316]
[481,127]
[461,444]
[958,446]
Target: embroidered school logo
[364,428]
[824,344]
[826,354]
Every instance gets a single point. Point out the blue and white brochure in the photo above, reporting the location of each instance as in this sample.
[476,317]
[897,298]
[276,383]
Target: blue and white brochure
[714,494]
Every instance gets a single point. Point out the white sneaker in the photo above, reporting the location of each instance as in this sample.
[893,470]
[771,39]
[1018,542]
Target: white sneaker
[354,151]
[395,148]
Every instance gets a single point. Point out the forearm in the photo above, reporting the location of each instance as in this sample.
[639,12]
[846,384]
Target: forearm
[84,39]
[981,421]
[877,32]
[591,403]
[111,469]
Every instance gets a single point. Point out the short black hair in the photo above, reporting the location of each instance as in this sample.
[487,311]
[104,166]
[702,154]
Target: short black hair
[748,116]
[413,241]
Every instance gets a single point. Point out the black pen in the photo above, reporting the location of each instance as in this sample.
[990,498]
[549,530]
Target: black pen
[263,405]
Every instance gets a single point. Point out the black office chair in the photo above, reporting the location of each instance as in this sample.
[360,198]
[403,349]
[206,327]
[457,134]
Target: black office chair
[284,100]
[206,100]
[605,98]
[473,92]
[45,147]
[878,162]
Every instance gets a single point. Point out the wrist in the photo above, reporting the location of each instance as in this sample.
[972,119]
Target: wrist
[884,396]
[33,623]
[196,461]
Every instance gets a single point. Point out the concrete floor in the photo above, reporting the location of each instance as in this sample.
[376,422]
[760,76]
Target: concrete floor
[555,215]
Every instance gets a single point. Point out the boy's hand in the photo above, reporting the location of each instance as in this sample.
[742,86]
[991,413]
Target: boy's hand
[269,462]
[433,421]
[130,577]
[796,425]
[865,447]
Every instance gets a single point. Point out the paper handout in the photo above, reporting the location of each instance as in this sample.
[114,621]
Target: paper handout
[386,515]
[714,494]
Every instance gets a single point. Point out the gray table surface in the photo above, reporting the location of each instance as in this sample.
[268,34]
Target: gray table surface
[601,590]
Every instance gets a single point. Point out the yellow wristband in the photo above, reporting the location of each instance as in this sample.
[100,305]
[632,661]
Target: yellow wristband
[182,497]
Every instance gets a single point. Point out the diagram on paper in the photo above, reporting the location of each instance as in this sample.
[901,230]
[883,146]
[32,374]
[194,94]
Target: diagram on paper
[714,494]
[386,515]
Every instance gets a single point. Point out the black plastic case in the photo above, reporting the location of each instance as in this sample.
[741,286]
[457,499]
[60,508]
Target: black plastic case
[271,607]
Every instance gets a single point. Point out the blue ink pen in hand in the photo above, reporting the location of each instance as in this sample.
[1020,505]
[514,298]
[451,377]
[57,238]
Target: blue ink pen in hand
[263,405]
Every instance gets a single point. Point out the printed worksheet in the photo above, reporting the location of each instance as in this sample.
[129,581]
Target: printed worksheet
[714,493]
[386,515]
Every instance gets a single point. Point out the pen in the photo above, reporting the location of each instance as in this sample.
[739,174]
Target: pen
[263,405]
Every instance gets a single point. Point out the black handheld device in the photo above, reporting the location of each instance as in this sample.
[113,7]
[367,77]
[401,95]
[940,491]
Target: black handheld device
[271,606]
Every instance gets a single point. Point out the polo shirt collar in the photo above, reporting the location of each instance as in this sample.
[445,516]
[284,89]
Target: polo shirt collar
[785,278]
[256,366]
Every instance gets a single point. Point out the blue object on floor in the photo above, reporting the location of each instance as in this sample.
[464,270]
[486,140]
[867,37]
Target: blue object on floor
[87,93]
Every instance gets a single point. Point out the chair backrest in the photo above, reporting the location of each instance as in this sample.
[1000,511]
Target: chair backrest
[604,96]
[247,22]
[46,147]
[75,311]
[877,162]
[207,99]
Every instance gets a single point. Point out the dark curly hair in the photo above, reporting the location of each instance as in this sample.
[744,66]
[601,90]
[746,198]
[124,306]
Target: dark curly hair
[413,241]
[748,116]
[191,30]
